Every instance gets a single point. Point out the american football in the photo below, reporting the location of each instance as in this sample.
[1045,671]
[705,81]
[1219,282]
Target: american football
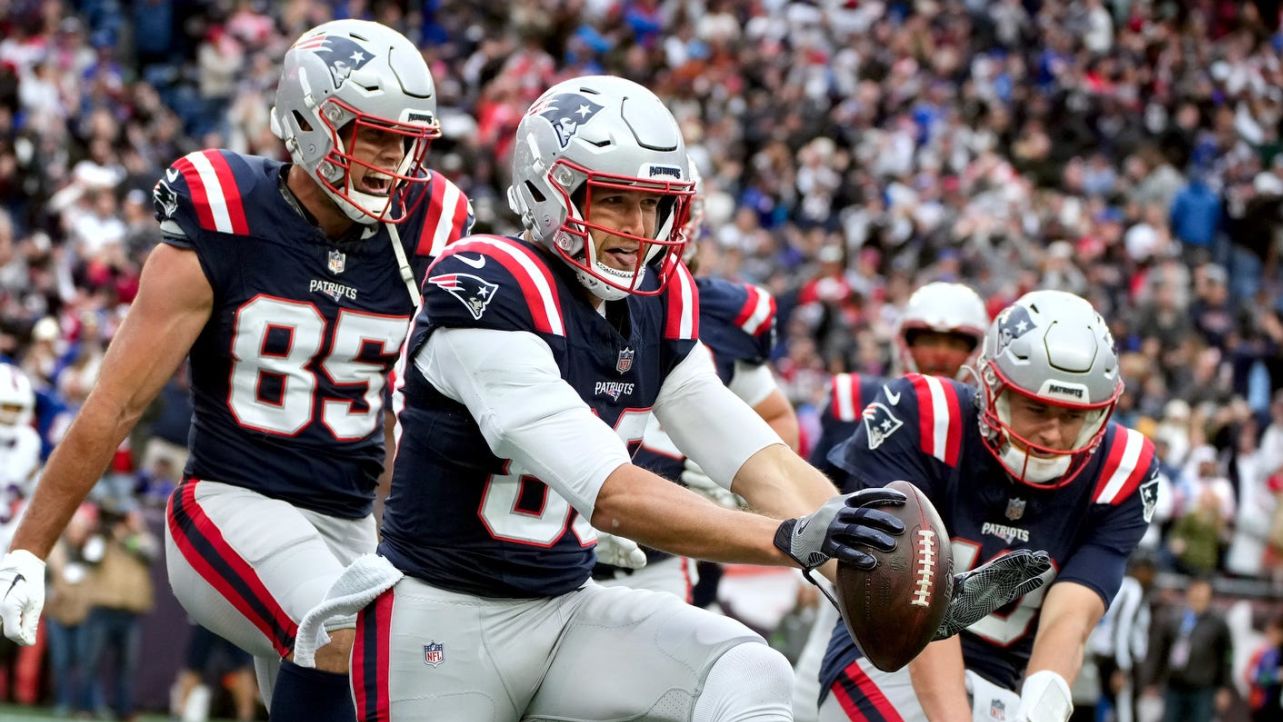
[894,610]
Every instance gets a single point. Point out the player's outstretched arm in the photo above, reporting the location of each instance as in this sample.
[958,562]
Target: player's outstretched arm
[1069,614]
[173,304]
[937,678]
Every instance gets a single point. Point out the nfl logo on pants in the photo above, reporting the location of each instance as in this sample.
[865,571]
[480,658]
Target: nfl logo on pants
[433,654]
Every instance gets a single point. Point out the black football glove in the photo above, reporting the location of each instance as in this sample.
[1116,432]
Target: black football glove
[982,591]
[840,527]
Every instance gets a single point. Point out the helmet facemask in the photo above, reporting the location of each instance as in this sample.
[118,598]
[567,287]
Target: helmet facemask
[336,172]
[1027,461]
[574,242]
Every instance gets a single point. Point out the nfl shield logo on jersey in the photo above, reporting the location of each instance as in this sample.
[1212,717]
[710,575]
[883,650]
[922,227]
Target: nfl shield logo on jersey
[1015,509]
[337,262]
[997,710]
[625,360]
[433,653]
[880,423]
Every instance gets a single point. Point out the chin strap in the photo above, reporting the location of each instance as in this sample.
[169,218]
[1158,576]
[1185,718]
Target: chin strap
[407,273]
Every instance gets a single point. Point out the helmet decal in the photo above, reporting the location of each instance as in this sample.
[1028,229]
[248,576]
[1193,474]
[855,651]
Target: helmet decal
[1013,323]
[566,112]
[341,55]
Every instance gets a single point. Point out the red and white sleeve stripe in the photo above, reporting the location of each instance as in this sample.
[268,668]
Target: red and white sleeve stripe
[682,320]
[536,281]
[213,191]
[446,218]
[939,418]
[758,312]
[846,403]
[1126,463]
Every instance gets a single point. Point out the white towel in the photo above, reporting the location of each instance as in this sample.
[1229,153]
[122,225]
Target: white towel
[361,583]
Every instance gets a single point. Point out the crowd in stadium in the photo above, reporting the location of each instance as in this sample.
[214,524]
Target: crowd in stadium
[1125,150]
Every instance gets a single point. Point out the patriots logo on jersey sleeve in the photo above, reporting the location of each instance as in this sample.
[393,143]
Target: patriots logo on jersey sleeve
[341,55]
[880,423]
[1012,324]
[164,200]
[566,112]
[1149,496]
[475,293]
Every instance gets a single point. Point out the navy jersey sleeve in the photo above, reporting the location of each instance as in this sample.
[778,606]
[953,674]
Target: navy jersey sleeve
[1123,503]
[440,216]
[847,396]
[681,322]
[886,446]
[494,283]
[737,323]
[200,201]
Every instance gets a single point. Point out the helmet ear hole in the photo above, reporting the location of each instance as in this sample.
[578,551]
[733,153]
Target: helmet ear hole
[301,122]
[535,193]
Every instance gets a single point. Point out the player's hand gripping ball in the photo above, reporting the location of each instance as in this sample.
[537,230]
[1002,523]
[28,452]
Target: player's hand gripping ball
[894,610]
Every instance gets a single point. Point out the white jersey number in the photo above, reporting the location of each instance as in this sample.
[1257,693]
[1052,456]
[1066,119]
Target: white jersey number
[1002,629]
[306,330]
[545,526]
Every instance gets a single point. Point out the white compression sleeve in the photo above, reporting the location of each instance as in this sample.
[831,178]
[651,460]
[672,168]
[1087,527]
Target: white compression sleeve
[511,385]
[752,382]
[708,422]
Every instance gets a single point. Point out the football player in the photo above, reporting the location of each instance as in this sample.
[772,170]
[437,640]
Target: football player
[1029,459]
[536,364]
[292,287]
[19,447]
[737,325]
[938,334]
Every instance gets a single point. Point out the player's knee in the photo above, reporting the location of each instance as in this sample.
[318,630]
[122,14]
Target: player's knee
[334,656]
[749,681]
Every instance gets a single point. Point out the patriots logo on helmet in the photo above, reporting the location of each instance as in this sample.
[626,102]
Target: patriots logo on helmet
[475,293]
[164,200]
[341,55]
[1012,324]
[566,112]
[880,423]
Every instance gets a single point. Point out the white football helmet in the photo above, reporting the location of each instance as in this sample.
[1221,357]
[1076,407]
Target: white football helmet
[601,132]
[344,76]
[1053,348]
[945,308]
[17,400]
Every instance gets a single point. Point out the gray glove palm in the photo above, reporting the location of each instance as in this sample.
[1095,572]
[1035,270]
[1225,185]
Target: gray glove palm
[982,591]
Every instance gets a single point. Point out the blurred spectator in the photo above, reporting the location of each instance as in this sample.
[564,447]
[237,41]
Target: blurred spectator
[69,596]
[122,593]
[1265,675]
[1191,658]
[209,657]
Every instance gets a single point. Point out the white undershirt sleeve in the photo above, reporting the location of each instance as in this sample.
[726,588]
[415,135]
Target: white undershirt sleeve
[510,383]
[708,422]
[752,382]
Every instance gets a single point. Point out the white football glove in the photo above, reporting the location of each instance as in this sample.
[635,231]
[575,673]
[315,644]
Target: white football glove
[22,595]
[989,702]
[1045,697]
[619,551]
[697,481]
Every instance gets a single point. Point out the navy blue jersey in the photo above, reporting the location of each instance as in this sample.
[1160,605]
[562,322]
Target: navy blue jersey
[848,394]
[737,324]
[458,516]
[924,430]
[289,373]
